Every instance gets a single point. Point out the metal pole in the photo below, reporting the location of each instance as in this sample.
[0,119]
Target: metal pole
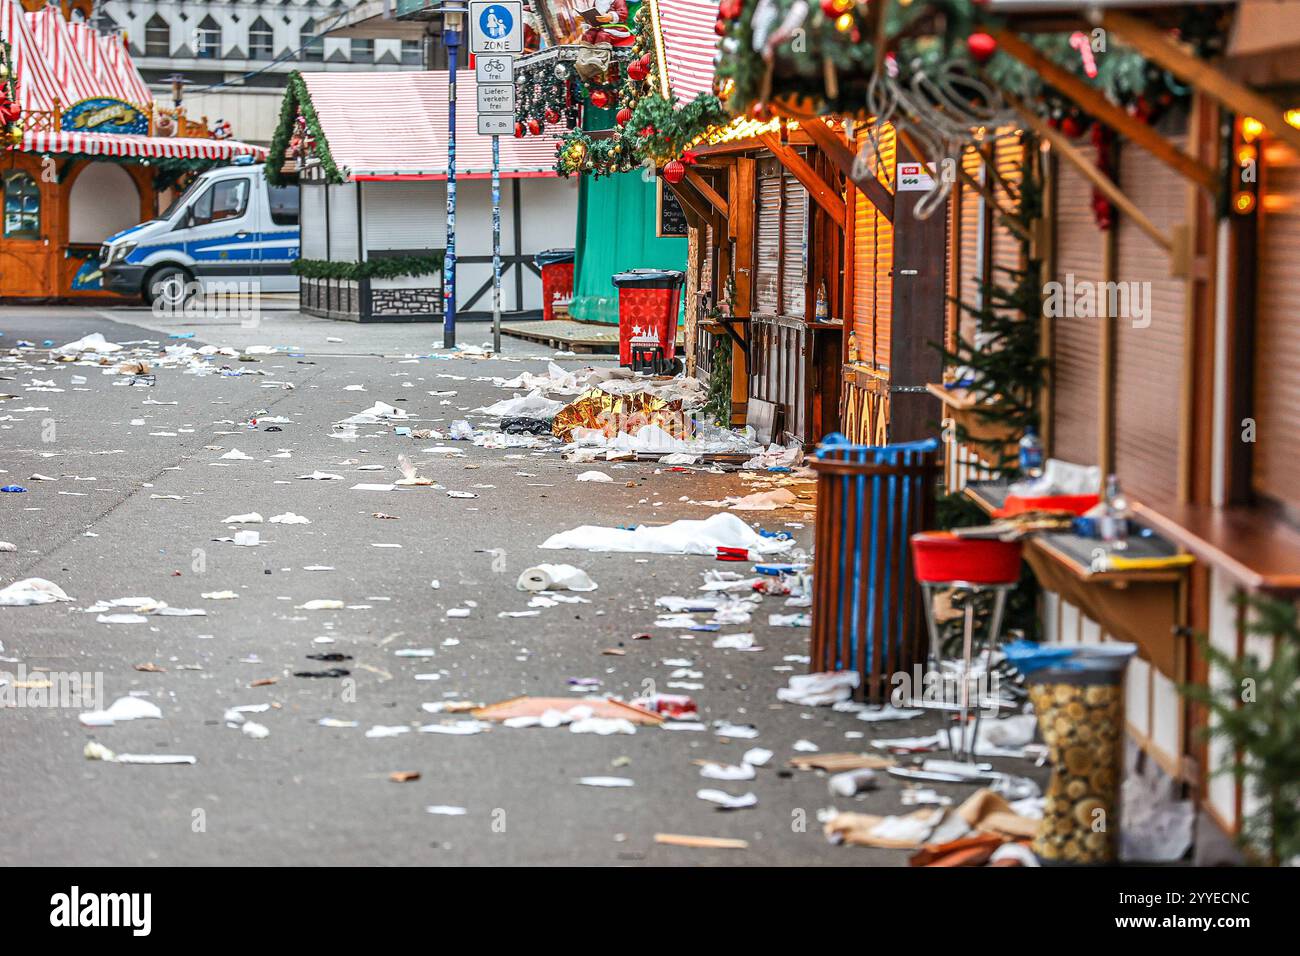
[496,245]
[451,36]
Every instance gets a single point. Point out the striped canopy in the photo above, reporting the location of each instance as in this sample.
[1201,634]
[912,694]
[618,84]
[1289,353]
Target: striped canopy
[144,147]
[37,86]
[54,40]
[687,44]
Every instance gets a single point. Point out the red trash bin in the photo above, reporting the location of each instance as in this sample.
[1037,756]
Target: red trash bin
[556,266]
[648,301]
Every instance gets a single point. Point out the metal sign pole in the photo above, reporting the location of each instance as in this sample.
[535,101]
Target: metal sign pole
[496,245]
[451,34]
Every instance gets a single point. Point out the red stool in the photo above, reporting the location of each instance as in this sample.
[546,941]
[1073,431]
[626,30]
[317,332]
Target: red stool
[943,560]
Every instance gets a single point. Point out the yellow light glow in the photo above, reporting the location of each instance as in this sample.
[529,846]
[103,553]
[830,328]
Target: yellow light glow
[1292,117]
[1243,202]
[1251,129]
[845,23]
[1245,155]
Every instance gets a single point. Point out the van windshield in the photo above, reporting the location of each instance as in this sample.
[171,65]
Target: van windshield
[183,198]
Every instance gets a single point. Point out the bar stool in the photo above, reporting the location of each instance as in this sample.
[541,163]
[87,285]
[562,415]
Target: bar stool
[943,560]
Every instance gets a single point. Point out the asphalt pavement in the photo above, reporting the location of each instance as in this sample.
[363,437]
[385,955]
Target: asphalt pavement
[138,501]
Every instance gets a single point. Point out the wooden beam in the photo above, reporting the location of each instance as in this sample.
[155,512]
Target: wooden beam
[1094,103]
[691,201]
[1158,47]
[838,152]
[830,202]
[707,191]
[1094,175]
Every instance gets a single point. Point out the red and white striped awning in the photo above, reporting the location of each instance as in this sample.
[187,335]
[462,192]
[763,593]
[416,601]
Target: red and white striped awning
[122,68]
[143,147]
[687,44]
[54,39]
[37,86]
[90,45]
[394,125]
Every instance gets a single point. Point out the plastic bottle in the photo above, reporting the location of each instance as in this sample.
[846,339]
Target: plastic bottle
[1113,527]
[853,347]
[822,309]
[1031,454]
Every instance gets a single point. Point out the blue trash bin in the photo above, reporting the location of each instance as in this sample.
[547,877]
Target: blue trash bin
[867,614]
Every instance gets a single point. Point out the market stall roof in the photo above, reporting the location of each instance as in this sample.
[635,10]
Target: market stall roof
[125,145]
[54,40]
[37,86]
[686,44]
[109,62]
[394,126]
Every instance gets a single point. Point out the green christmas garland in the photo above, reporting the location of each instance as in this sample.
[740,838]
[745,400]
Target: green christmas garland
[8,91]
[388,268]
[297,99]
[657,129]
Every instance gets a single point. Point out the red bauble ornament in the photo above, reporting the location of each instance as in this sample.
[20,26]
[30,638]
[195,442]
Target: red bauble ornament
[599,99]
[760,111]
[720,28]
[519,131]
[1071,126]
[648,131]
[730,9]
[635,71]
[981,47]
[534,127]
[552,116]
[674,171]
[623,116]
[645,62]
[831,9]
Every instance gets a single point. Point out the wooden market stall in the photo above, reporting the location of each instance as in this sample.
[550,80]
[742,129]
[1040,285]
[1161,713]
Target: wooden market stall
[89,153]
[1136,214]
[370,153]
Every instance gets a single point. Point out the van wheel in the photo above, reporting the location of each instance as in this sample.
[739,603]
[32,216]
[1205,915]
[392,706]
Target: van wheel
[168,289]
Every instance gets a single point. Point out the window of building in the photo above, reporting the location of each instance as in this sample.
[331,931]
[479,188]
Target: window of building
[22,210]
[227,199]
[157,37]
[261,40]
[412,53]
[207,39]
[313,47]
[363,51]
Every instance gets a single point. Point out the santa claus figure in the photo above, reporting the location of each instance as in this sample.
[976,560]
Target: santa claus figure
[607,23]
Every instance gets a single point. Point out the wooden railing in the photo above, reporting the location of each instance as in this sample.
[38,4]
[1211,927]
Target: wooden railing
[779,367]
[864,406]
[51,120]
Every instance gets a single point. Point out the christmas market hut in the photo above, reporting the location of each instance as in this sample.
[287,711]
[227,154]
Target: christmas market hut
[603,82]
[370,154]
[1070,226]
[87,152]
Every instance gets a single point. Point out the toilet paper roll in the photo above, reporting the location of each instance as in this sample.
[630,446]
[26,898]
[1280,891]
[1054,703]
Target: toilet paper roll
[555,577]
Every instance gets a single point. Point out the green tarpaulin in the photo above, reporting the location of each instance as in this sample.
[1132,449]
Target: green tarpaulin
[616,232]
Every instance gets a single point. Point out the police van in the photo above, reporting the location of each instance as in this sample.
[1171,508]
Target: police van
[231,230]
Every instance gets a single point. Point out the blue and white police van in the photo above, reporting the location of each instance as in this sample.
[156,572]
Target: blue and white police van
[231,229]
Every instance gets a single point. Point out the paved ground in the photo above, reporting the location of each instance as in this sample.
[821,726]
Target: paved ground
[311,794]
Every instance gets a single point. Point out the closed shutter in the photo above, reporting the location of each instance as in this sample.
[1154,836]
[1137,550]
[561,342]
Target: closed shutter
[312,220]
[344,245]
[1149,360]
[706,278]
[794,248]
[1277,337]
[873,257]
[767,238]
[1009,155]
[970,263]
[885,172]
[1080,257]
[407,216]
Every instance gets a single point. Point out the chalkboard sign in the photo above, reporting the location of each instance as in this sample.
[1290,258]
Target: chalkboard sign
[671,219]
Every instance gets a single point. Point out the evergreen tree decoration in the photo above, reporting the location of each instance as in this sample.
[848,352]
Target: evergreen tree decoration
[1256,711]
[11,130]
[1004,362]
